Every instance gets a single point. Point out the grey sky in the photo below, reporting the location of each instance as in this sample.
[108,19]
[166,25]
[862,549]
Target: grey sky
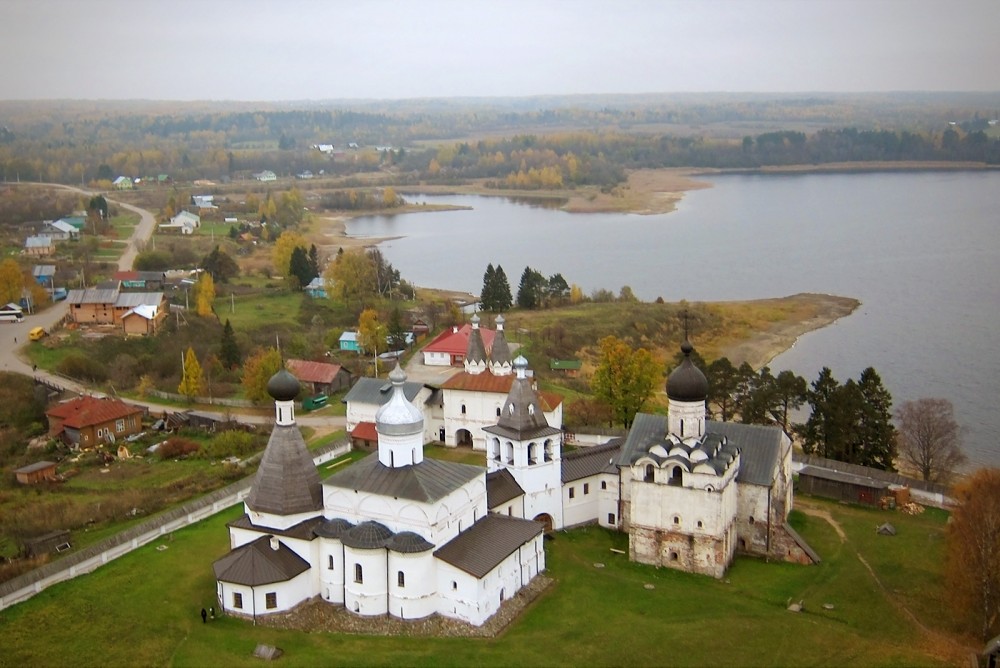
[308,49]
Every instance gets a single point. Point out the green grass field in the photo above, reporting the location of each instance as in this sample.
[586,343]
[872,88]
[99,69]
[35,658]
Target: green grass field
[143,609]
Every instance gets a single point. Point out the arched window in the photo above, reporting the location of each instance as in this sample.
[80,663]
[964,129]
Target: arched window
[531,409]
[649,473]
[675,476]
[400,579]
[329,563]
[532,453]
[498,411]
[358,574]
[677,521]
[463,409]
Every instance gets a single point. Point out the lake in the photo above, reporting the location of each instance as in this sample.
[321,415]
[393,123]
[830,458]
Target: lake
[921,250]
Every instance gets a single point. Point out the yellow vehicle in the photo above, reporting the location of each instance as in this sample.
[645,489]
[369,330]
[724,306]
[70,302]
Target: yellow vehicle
[37,333]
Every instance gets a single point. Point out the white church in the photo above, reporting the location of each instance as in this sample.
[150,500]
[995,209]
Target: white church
[401,535]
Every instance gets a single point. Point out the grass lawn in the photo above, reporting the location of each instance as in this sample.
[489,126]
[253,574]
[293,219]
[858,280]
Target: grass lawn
[143,609]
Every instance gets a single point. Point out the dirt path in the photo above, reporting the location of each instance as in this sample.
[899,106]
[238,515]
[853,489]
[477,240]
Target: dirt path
[937,643]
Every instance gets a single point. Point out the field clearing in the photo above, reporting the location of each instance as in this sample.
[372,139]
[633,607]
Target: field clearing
[147,605]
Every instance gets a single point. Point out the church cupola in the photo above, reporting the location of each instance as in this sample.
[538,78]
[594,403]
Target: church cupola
[400,427]
[475,352]
[501,362]
[687,391]
[283,388]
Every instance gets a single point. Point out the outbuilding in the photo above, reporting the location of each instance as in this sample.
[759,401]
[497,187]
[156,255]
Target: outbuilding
[842,486]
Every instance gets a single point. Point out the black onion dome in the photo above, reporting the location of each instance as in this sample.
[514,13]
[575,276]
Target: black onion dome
[283,386]
[687,382]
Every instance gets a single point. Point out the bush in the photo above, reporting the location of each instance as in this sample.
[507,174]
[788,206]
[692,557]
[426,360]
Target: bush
[176,446]
[81,367]
[232,444]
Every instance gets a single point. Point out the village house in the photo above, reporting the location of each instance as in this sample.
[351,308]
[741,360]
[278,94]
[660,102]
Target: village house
[109,306]
[60,230]
[122,183]
[185,222]
[146,281]
[266,176]
[349,341]
[87,421]
[449,347]
[320,377]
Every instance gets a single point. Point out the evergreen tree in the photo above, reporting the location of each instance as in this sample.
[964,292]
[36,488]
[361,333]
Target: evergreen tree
[314,260]
[531,290]
[229,349]
[193,379]
[504,298]
[220,265]
[876,432]
[723,381]
[817,433]
[396,330]
[487,297]
[789,394]
[300,267]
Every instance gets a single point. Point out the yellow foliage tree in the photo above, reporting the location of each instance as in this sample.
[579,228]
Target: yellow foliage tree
[351,277]
[193,379]
[257,370]
[11,281]
[204,294]
[281,255]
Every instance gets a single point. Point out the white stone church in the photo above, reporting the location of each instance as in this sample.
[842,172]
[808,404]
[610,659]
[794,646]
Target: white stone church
[400,535]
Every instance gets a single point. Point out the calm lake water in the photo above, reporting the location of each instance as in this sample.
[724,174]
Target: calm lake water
[920,250]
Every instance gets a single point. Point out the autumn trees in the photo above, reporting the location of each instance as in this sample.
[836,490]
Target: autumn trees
[624,379]
[972,569]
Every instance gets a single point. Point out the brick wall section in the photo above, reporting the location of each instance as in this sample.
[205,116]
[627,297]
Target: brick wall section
[27,585]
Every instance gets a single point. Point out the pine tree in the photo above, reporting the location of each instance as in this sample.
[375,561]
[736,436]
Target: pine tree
[193,379]
[314,260]
[229,349]
[504,299]
[531,289]
[487,297]
[876,432]
[300,267]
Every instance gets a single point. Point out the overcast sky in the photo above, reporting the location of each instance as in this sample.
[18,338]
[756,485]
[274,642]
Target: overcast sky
[336,49]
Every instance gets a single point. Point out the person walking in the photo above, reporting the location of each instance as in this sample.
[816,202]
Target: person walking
[204,616]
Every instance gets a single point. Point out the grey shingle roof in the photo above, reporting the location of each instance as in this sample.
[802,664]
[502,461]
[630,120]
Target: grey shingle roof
[378,391]
[501,487]
[586,462]
[407,542]
[367,535]
[479,549]
[306,530]
[476,352]
[500,352]
[334,528]
[256,563]
[428,481]
[287,482]
[759,445]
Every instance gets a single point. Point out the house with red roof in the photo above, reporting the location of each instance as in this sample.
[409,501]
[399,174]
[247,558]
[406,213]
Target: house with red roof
[321,377]
[87,421]
[449,347]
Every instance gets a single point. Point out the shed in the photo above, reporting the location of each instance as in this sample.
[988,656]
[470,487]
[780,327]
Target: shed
[54,541]
[842,486]
[349,341]
[35,473]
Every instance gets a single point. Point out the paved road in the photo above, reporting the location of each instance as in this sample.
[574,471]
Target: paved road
[14,336]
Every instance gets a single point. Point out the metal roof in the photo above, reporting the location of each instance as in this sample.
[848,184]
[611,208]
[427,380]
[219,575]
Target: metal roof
[428,481]
[37,466]
[590,461]
[257,563]
[313,372]
[304,530]
[481,548]
[840,476]
[367,536]
[501,487]
[378,391]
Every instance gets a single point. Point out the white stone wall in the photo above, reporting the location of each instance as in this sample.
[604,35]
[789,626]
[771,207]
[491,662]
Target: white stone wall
[288,595]
[437,359]
[331,570]
[480,411]
[417,596]
[369,596]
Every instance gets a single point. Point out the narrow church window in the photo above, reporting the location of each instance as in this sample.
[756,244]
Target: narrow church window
[611,519]
[604,484]
[677,520]
[673,556]
[498,411]
[586,488]
[675,476]
[454,585]
[700,525]
[329,564]
[237,600]
[463,409]
[572,492]
[400,579]
[271,600]
[649,473]
[531,409]
[358,574]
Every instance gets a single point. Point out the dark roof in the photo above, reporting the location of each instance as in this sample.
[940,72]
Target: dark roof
[428,481]
[305,530]
[501,487]
[283,386]
[840,476]
[313,372]
[37,466]
[500,352]
[565,365]
[256,563]
[334,528]
[522,417]
[476,350]
[407,542]
[482,547]
[287,482]
[759,445]
[367,535]
[378,391]
[589,461]
[687,382]
[760,449]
